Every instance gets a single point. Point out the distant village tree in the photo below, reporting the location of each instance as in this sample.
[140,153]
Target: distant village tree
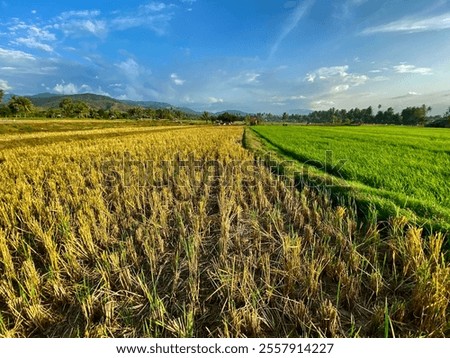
[415,115]
[228,118]
[447,115]
[206,117]
[66,106]
[81,109]
[20,106]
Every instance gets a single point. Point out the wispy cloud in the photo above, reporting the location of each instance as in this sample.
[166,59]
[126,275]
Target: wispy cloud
[31,36]
[405,68]
[155,16]
[284,100]
[132,70]
[245,78]
[81,23]
[176,79]
[136,79]
[15,55]
[291,23]
[412,24]
[408,95]
[32,42]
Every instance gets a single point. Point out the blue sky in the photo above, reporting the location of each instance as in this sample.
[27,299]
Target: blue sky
[253,55]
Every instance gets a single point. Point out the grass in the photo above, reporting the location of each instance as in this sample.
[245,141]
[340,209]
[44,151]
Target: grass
[182,233]
[399,170]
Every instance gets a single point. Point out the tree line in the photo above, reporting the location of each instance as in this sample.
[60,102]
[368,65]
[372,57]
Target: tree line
[19,106]
[408,116]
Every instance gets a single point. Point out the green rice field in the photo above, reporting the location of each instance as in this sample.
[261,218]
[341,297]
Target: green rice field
[398,170]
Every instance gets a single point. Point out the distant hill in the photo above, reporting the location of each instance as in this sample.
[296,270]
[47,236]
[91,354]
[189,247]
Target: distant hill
[148,104]
[233,111]
[51,100]
[189,111]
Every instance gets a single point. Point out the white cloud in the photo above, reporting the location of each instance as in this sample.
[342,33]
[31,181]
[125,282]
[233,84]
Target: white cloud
[412,24]
[310,77]
[322,104]
[213,100]
[4,85]
[356,80]
[340,88]
[176,79]
[405,68]
[336,74]
[71,88]
[66,88]
[252,77]
[325,73]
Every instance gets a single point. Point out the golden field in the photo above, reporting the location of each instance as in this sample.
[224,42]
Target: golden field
[181,232]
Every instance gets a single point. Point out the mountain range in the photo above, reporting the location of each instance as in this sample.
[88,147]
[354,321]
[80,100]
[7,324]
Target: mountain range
[52,100]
